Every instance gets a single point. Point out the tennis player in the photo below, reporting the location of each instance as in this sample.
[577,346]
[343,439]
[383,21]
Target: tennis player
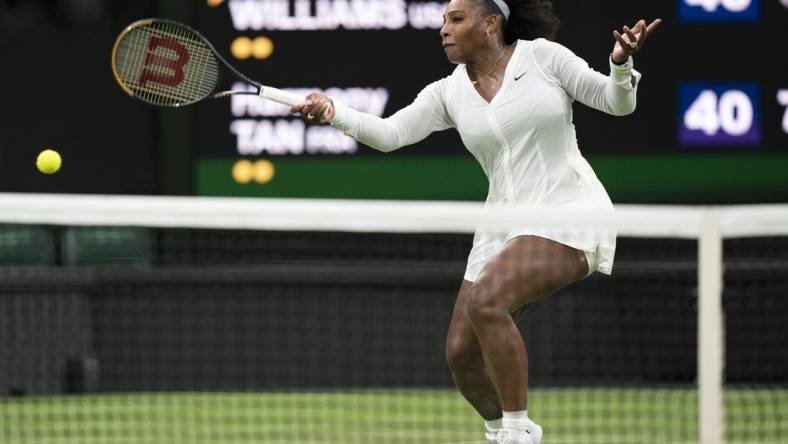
[510,98]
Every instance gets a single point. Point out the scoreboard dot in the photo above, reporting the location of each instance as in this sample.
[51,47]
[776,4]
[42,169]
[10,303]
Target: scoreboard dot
[262,48]
[264,171]
[241,48]
[215,3]
[242,171]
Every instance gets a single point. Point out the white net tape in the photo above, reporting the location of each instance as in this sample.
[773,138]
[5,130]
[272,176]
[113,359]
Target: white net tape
[650,221]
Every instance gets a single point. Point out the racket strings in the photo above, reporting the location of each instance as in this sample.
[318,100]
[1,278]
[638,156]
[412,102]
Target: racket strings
[151,91]
[190,87]
[205,56]
[200,72]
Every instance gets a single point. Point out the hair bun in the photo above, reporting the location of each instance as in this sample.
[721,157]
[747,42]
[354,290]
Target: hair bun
[530,20]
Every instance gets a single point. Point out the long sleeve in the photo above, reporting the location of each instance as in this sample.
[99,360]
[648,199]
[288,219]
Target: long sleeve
[407,126]
[613,94]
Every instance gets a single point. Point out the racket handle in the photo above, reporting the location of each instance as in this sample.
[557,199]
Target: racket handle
[279,96]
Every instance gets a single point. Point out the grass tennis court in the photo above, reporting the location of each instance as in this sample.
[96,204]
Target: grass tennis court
[381,416]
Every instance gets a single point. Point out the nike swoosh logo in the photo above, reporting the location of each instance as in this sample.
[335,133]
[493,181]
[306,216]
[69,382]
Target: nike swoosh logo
[516,78]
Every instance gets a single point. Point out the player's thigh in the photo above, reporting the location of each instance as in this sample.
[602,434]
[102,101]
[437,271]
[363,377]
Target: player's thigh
[527,269]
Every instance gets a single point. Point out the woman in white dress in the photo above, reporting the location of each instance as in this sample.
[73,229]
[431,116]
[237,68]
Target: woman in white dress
[510,98]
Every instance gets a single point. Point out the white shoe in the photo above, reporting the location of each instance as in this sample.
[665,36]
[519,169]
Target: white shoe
[507,436]
[491,435]
[536,432]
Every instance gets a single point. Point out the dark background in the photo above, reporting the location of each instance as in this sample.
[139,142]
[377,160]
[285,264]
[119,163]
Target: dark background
[59,93]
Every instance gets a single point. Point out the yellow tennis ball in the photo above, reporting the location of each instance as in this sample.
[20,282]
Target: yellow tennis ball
[48,161]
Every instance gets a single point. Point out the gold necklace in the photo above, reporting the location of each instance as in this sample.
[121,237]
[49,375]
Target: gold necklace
[474,82]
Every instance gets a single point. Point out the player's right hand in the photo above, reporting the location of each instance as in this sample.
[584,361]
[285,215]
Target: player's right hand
[317,108]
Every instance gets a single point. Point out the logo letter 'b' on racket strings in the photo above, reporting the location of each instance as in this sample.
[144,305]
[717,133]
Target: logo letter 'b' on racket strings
[153,57]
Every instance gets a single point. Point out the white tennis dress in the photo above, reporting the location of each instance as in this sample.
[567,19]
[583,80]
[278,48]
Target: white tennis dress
[524,138]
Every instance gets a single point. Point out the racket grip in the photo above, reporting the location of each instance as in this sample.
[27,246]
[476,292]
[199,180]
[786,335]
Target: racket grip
[279,96]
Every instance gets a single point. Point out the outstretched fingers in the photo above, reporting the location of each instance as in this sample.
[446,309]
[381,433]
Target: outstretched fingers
[635,37]
[621,41]
[653,26]
[646,31]
[631,35]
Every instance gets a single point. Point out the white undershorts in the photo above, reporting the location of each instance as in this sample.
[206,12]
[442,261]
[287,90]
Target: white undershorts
[483,252]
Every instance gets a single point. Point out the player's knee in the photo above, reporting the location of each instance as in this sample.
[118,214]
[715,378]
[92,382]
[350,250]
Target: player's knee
[486,304]
[461,356]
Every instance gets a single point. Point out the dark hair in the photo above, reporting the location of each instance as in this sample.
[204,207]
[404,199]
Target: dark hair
[529,19]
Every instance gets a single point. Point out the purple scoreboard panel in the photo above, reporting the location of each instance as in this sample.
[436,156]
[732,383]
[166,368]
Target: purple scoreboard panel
[720,10]
[717,114]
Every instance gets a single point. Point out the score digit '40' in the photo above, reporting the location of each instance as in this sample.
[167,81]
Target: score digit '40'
[712,5]
[719,10]
[723,114]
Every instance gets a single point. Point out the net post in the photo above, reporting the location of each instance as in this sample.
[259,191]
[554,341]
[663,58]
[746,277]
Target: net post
[710,329]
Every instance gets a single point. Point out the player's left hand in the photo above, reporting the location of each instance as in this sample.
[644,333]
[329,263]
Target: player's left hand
[632,40]
[317,108]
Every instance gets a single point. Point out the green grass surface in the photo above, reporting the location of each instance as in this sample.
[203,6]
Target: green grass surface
[379,416]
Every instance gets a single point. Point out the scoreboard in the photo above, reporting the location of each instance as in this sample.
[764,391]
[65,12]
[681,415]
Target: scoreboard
[711,124]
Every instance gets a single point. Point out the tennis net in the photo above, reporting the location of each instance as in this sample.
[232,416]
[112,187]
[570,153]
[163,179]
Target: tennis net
[201,320]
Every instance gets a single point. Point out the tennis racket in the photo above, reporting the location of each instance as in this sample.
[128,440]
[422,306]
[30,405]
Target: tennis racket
[166,63]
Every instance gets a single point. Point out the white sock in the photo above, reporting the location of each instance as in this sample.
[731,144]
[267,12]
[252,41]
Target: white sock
[494,425]
[515,420]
